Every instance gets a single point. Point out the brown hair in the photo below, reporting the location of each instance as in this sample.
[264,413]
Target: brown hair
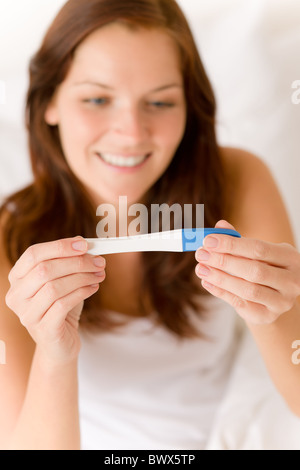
[47,209]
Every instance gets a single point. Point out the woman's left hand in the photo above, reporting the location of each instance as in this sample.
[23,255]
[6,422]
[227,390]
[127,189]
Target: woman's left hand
[261,280]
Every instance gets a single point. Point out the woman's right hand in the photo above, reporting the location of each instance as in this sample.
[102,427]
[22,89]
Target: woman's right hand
[49,284]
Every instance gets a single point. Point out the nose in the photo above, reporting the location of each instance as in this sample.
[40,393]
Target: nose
[130,123]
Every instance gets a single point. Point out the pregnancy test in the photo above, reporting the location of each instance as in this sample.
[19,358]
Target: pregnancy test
[180,240]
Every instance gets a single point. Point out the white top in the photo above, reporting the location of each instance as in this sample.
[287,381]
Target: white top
[142,388]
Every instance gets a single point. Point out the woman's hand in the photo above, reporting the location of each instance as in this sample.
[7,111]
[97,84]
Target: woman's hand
[261,280]
[49,284]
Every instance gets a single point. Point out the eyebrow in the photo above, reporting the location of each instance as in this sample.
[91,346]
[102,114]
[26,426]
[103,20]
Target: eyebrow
[107,87]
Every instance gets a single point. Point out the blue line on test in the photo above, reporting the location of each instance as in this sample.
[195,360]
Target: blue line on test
[192,238]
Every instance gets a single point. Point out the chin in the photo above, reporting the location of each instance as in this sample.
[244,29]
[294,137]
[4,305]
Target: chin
[117,197]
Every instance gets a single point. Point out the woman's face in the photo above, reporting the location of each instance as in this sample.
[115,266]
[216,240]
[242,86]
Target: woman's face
[121,111]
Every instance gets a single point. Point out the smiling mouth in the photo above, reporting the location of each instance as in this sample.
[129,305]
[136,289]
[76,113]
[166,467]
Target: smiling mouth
[121,161]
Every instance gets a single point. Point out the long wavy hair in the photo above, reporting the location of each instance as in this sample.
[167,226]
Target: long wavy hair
[48,208]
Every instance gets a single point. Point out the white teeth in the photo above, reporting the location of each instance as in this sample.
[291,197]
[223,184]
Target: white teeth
[118,160]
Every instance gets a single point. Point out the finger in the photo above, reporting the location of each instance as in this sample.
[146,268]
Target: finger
[224,224]
[49,270]
[250,311]
[51,292]
[272,253]
[251,270]
[245,290]
[38,253]
[56,315]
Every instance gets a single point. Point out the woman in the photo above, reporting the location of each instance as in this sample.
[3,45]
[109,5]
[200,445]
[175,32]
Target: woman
[131,351]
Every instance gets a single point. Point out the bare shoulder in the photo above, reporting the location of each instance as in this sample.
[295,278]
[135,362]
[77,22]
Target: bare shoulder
[16,354]
[238,163]
[255,204]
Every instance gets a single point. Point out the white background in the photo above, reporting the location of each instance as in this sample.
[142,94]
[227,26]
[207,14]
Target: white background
[252,54]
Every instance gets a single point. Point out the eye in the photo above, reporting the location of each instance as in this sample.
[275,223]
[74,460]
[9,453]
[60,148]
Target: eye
[161,104]
[96,101]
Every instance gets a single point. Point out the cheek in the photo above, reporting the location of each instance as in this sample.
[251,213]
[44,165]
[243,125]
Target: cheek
[78,131]
[172,131]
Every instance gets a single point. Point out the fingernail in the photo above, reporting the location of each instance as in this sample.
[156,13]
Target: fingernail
[80,245]
[203,255]
[203,271]
[211,242]
[99,262]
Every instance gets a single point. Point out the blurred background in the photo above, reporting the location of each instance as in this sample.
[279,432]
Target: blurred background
[251,51]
